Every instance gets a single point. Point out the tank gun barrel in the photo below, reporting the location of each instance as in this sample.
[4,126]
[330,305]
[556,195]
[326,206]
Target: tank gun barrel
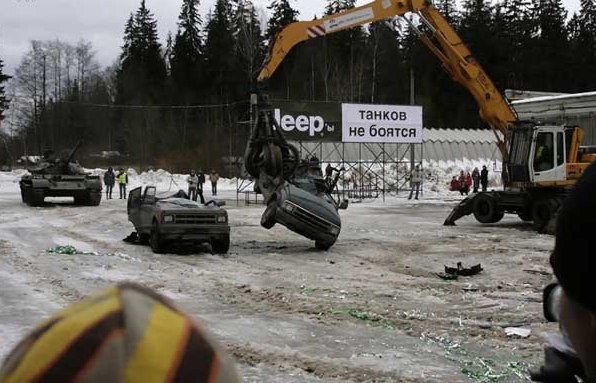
[73,151]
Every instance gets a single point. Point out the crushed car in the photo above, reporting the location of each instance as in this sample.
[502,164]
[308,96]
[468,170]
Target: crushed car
[172,218]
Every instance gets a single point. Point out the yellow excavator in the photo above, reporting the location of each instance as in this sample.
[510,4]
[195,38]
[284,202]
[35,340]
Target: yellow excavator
[540,162]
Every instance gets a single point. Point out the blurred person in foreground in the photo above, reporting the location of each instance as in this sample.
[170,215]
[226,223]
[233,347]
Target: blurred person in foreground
[126,333]
[573,353]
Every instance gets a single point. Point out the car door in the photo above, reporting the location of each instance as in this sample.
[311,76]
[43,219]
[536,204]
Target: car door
[133,207]
[147,208]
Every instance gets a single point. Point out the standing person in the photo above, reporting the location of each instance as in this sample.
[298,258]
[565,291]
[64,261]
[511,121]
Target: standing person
[469,181]
[484,178]
[328,171]
[463,186]
[214,177]
[122,182]
[109,179]
[193,184]
[416,178]
[201,176]
[476,179]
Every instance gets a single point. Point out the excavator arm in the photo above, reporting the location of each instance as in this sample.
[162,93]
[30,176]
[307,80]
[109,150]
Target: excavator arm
[442,41]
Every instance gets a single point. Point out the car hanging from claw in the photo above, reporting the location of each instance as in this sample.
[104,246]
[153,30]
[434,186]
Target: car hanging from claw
[295,192]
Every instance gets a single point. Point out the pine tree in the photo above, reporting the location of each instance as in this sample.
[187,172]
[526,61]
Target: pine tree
[549,50]
[250,46]
[3,98]
[221,65]
[448,9]
[142,74]
[586,46]
[186,57]
[282,14]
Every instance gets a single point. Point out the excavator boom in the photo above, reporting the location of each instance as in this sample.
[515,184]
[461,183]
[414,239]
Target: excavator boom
[442,41]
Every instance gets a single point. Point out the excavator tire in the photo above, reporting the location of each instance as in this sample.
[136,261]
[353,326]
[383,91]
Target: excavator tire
[542,212]
[485,209]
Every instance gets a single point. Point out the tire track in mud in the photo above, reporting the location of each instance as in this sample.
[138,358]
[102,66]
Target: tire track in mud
[282,359]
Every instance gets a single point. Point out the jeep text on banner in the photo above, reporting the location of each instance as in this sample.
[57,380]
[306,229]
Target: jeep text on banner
[381,123]
[309,121]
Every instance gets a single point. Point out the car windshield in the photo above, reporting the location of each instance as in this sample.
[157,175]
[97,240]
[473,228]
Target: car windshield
[183,202]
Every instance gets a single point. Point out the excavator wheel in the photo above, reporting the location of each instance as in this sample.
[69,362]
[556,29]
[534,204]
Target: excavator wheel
[542,212]
[485,209]
[273,160]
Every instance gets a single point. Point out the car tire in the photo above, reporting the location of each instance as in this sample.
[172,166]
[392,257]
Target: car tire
[323,246]
[221,245]
[144,238]
[155,240]
[25,194]
[268,217]
[36,197]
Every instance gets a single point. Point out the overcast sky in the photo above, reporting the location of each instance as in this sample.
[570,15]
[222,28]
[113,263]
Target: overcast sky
[102,22]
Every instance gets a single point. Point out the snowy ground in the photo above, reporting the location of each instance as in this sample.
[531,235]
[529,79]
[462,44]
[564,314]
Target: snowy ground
[372,309]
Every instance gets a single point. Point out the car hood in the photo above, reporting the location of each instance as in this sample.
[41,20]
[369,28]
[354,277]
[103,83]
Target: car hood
[185,205]
[320,205]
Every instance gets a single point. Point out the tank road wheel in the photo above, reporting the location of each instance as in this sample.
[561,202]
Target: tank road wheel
[485,209]
[525,216]
[94,198]
[542,212]
[155,239]
[221,245]
[36,197]
[268,217]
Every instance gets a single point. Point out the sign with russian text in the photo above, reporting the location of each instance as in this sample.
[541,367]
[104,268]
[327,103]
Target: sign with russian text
[381,123]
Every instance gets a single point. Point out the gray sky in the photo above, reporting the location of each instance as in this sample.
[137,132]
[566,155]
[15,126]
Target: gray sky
[102,22]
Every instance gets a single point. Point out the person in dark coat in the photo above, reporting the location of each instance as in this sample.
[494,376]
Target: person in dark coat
[201,176]
[484,178]
[109,179]
[476,179]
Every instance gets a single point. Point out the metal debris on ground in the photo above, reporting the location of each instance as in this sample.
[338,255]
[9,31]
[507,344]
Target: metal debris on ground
[452,273]
[522,332]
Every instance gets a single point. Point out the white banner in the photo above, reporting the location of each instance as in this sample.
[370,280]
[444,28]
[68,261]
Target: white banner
[349,19]
[381,123]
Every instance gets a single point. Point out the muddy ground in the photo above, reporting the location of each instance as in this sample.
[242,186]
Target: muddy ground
[372,309]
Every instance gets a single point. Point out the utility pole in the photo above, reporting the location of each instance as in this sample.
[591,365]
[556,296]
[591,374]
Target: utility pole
[412,102]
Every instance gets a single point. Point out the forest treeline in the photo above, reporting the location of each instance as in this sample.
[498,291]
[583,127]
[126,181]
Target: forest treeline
[184,101]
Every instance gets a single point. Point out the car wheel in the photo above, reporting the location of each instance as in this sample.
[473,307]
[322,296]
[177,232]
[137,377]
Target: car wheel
[155,239]
[221,245]
[324,246]
[268,217]
[144,238]
[36,197]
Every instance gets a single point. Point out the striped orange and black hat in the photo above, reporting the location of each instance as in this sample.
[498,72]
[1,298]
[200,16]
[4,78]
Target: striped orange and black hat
[127,333]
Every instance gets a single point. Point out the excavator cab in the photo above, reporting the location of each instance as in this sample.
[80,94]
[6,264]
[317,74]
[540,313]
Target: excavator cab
[548,155]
